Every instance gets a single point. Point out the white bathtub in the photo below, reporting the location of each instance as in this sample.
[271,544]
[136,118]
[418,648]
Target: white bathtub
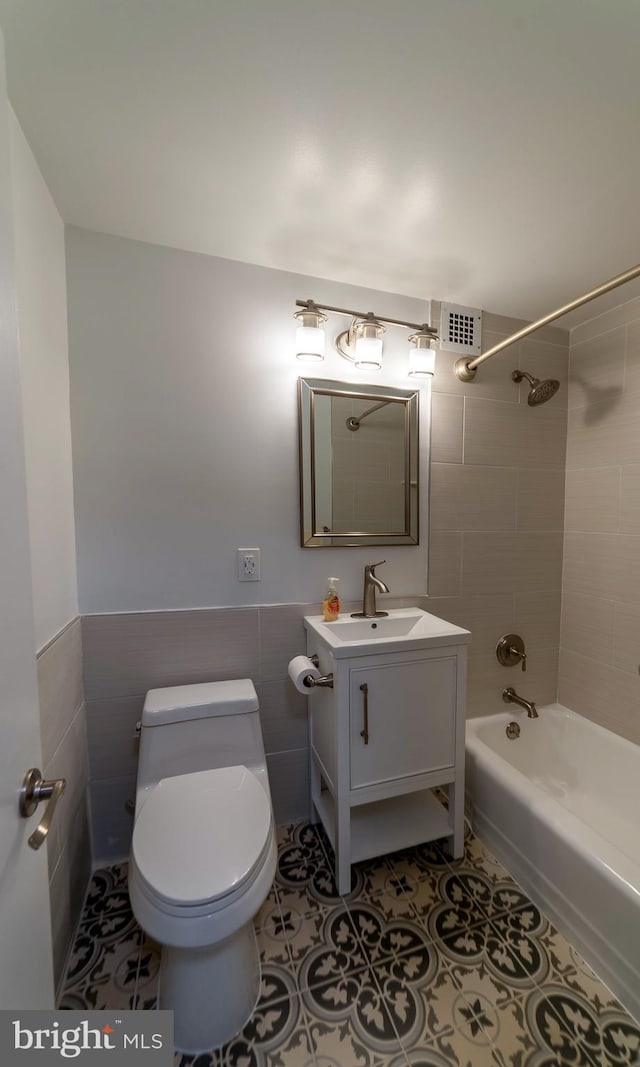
[560,807]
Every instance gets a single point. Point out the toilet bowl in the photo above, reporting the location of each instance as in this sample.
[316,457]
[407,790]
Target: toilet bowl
[203,855]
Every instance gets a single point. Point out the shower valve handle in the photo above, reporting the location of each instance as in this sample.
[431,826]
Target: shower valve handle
[510,650]
[523,657]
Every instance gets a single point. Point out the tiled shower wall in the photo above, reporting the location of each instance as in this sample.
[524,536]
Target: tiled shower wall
[497,494]
[64,755]
[497,503]
[600,638]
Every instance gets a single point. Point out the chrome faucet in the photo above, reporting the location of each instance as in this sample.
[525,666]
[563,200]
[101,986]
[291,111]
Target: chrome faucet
[371,583]
[510,696]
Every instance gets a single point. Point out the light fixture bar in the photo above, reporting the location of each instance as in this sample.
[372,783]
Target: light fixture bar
[466,370]
[364,315]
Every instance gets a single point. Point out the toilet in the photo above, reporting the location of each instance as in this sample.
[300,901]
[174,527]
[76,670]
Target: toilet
[203,855]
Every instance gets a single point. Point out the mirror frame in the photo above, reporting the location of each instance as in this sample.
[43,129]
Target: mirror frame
[308,390]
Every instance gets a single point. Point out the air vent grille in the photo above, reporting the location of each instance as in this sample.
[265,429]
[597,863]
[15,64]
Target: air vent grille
[461,329]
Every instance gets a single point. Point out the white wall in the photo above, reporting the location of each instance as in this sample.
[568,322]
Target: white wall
[184,416]
[42,324]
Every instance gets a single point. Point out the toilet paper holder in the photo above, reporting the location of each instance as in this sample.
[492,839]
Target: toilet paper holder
[324,681]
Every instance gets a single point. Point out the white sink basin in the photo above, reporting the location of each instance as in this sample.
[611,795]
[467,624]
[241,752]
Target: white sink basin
[402,629]
[392,625]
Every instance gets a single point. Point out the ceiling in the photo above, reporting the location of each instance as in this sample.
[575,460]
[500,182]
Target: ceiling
[485,152]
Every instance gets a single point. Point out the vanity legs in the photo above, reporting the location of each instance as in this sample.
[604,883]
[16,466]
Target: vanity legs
[343,846]
[455,792]
[358,831]
[315,780]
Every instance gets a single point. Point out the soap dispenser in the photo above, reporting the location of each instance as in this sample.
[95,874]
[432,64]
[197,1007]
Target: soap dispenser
[331,602]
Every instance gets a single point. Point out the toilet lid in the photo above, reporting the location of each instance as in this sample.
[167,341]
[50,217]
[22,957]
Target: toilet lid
[199,836]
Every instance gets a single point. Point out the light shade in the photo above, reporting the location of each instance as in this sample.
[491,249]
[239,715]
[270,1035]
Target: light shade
[368,345]
[310,335]
[422,358]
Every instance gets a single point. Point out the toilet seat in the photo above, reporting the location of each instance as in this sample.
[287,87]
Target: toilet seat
[200,838]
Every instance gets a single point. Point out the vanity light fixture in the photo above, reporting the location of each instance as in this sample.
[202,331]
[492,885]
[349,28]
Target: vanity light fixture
[361,344]
[310,333]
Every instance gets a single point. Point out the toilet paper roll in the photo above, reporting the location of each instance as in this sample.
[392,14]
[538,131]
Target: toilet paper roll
[300,668]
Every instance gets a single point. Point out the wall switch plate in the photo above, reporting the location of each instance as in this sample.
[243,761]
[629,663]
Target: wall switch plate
[248,564]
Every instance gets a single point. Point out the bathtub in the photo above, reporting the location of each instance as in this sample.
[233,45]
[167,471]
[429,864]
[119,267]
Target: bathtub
[560,808]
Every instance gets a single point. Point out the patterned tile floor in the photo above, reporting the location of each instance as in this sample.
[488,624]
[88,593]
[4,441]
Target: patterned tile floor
[428,962]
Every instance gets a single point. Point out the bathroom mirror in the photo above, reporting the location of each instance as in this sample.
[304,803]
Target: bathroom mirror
[358,464]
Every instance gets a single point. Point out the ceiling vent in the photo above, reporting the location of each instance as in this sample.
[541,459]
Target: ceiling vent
[460,329]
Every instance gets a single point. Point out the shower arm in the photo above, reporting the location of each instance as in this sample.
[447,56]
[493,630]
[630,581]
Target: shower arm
[354,421]
[466,369]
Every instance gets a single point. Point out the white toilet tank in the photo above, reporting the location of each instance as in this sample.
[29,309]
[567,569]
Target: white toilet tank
[186,728]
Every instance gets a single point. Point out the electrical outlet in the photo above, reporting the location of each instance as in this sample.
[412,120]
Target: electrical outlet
[248,564]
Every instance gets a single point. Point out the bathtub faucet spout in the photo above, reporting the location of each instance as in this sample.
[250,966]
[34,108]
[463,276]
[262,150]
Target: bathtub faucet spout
[510,696]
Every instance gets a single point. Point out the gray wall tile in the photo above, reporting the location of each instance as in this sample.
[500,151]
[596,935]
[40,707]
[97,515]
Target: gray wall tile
[601,324]
[281,631]
[601,693]
[59,686]
[487,617]
[289,781]
[630,499]
[113,749]
[472,498]
[514,562]
[603,565]
[537,618]
[445,554]
[593,499]
[599,656]
[587,626]
[632,356]
[626,638]
[131,653]
[604,433]
[540,499]
[283,716]
[597,368]
[447,415]
[514,435]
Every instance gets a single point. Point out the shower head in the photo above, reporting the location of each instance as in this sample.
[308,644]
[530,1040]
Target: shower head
[541,391]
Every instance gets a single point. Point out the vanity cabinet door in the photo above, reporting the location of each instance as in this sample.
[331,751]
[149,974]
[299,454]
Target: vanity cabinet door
[410,713]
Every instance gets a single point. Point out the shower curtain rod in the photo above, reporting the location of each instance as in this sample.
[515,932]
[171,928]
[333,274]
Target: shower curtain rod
[466,369]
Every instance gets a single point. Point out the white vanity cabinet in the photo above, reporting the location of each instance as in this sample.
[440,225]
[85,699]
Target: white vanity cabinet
[389,731]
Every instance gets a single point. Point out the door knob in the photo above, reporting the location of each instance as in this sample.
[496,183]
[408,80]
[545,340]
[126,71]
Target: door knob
[33,790]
